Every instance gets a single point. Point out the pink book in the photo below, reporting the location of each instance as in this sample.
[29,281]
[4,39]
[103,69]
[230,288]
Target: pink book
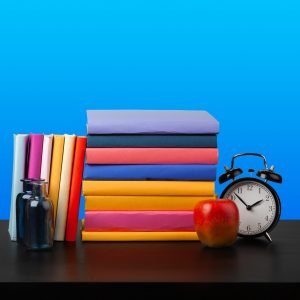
[205,156]
[35,155]
[46,159]
[139,221]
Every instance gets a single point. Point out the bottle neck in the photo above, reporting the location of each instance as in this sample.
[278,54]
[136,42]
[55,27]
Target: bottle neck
[39,190]
[27,187]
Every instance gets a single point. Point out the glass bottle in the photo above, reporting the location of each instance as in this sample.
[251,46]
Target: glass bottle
[20,206]
[39,225]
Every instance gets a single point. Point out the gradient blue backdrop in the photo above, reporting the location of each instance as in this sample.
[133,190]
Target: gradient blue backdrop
[237,59]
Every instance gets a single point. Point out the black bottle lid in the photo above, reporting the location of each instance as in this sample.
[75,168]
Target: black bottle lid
[27,183]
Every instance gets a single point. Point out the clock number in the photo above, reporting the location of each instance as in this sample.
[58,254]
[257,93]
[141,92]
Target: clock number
[259,190]
[248,227]
[270,208]
[240,190]
[259,226]
[267,218]
[233,197]
[250,187]
[267,197]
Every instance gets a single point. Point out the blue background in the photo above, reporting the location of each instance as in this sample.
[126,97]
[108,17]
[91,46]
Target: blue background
[237,59]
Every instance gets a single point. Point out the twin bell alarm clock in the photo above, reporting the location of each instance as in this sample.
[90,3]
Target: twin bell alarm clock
[258,203]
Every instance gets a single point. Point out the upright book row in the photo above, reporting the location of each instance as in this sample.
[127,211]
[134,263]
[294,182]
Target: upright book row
[59,160]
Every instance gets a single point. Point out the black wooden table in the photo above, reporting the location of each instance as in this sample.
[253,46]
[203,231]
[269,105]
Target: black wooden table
[249,268]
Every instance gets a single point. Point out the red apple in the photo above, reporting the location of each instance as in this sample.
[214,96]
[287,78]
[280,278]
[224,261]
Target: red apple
[216,222]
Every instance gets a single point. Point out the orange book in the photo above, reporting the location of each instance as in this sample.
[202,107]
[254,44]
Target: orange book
[75,189]
[57,157]
[138,236]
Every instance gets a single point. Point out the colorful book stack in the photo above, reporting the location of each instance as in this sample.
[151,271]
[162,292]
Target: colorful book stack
[145,171]
[59,160]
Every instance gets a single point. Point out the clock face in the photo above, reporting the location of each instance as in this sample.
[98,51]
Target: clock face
[256,203]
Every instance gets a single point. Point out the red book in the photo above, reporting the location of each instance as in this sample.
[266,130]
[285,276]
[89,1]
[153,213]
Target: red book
[145,156]
[75,189]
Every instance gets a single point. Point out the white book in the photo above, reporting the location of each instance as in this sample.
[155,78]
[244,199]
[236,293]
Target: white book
[64,187]
[19,165]
[46,159]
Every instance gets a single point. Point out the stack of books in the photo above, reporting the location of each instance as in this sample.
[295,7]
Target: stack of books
[145,171]
[59,160]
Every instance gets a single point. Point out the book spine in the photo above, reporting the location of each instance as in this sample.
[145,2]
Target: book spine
[46,159]
[148,188]
[185,172]
[19,171]
[138,236]
[143,156]
[35,155]
[64,188]
[127,203]
[75,190]
[139,221]
[152,141]
[55,173]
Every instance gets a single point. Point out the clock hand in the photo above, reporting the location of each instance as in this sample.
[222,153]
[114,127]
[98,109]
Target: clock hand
[248,206]
[256,203]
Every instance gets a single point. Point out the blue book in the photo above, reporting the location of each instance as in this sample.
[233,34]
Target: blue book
[152,141]
[150,172]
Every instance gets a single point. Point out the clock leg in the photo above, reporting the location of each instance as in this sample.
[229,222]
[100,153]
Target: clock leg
[267,236]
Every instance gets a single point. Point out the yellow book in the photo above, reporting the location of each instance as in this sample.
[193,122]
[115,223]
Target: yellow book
[138,236]
[148,188]
[143,202]
[64,187]
[56,164]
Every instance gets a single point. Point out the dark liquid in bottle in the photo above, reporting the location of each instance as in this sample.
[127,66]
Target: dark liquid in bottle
[39,229]
[20,209]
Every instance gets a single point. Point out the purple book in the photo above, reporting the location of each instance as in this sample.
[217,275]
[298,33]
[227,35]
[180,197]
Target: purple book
[151,121]
[35,155]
